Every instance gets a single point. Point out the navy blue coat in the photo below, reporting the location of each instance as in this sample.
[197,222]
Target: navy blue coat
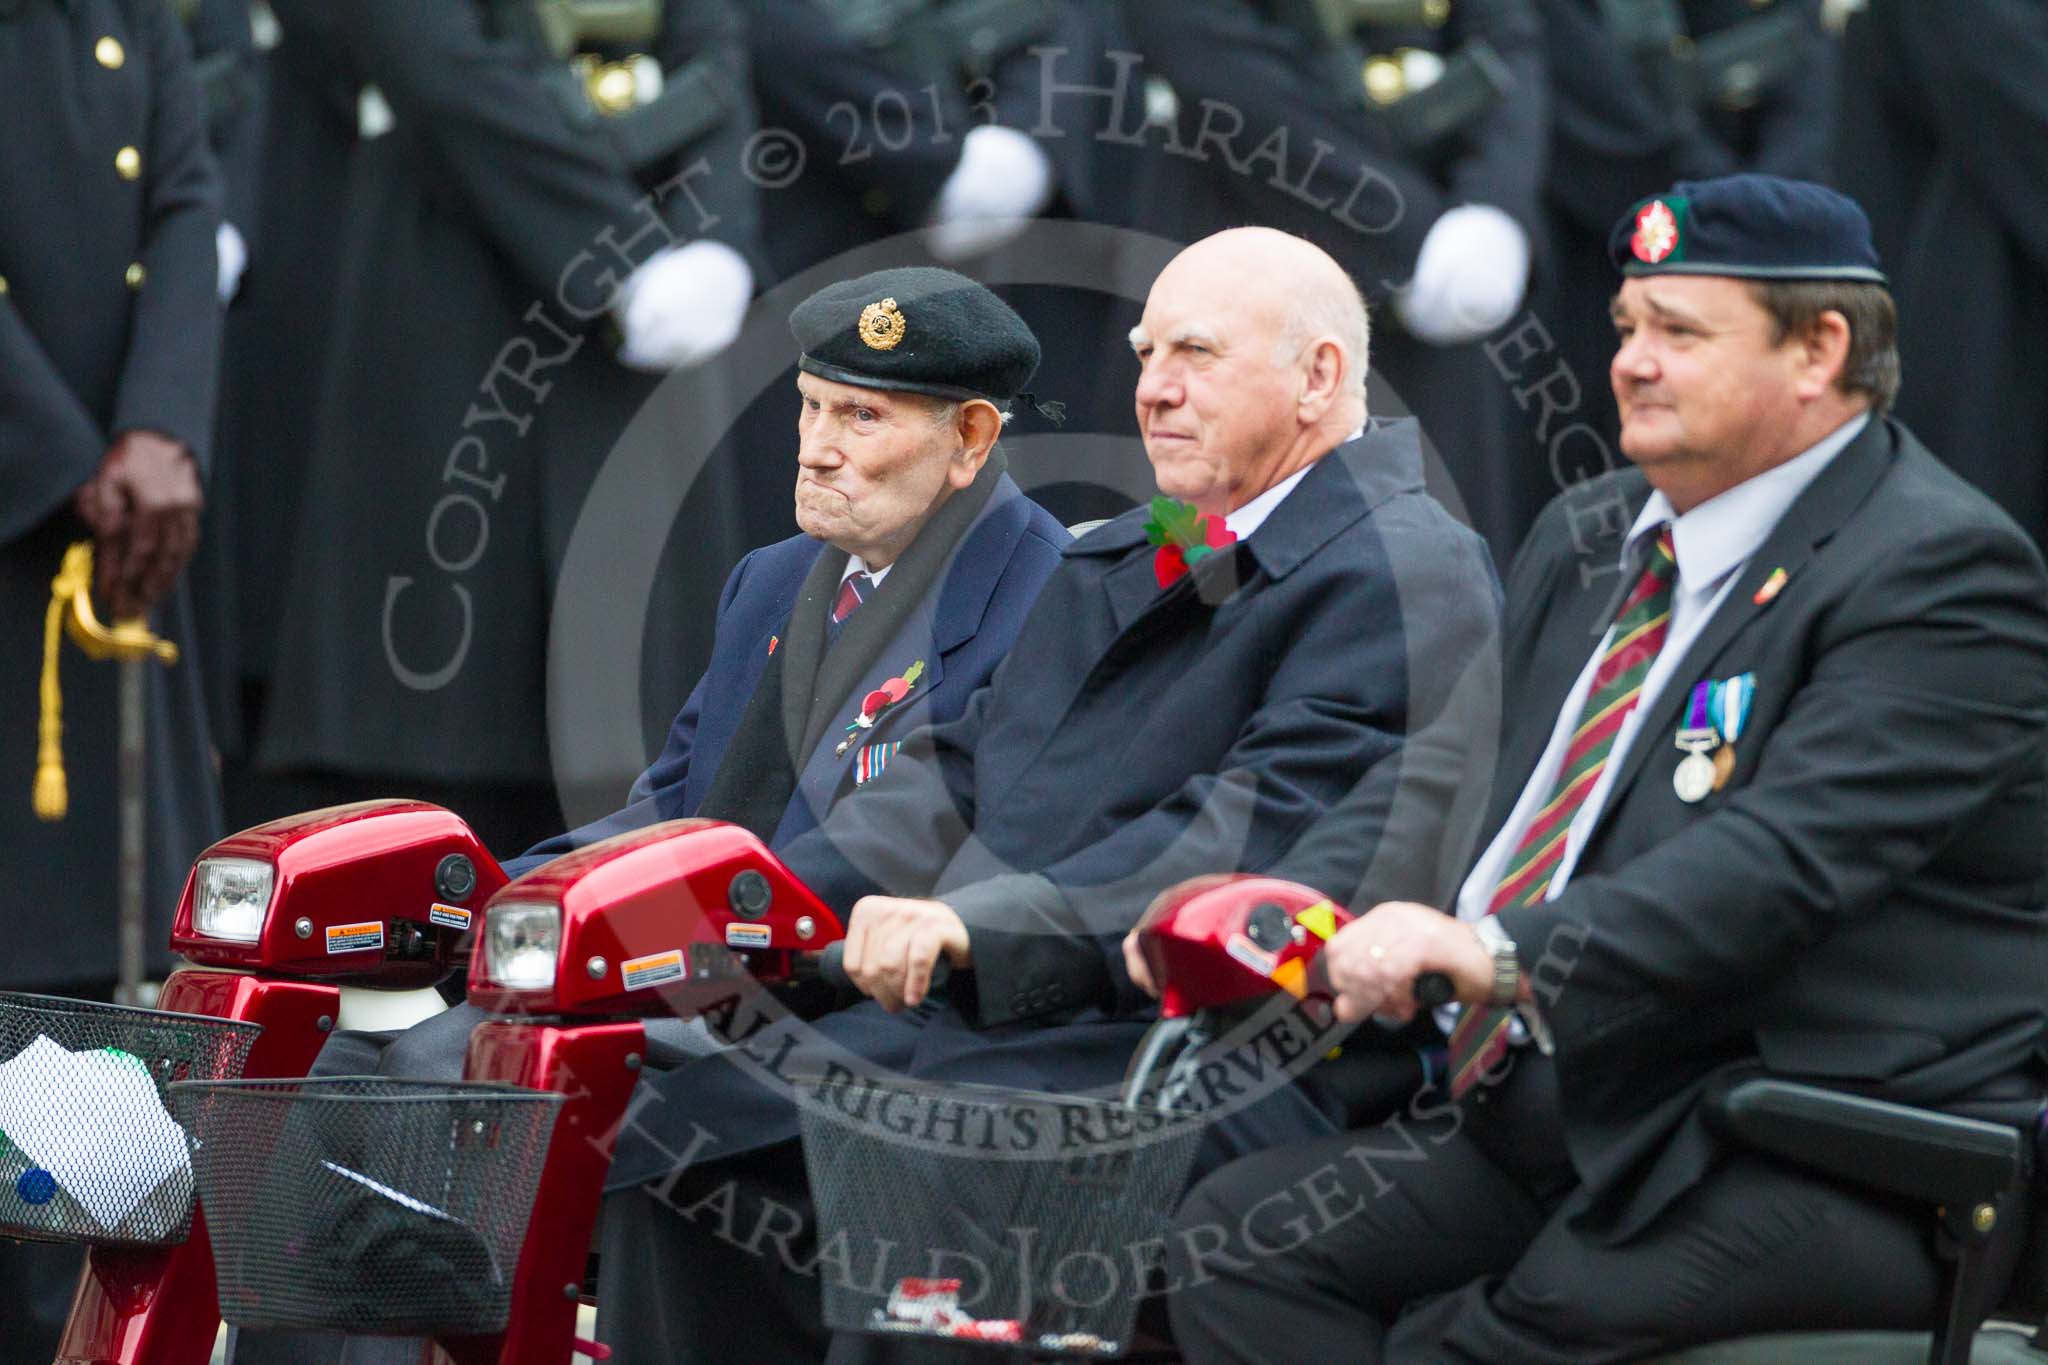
[961,632]
[1135,737]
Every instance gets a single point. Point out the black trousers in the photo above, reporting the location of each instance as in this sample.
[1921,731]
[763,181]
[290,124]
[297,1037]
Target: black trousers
[1452,1240]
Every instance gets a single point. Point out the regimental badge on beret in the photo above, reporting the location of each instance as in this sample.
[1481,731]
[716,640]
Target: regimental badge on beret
[968,344]
[1758,227]
[1656,234]
[881,325]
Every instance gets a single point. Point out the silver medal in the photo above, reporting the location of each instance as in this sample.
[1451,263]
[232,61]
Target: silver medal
[1694,777]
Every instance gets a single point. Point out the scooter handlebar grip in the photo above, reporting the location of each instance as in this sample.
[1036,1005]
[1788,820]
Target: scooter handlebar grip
[832,968]
[1433,990]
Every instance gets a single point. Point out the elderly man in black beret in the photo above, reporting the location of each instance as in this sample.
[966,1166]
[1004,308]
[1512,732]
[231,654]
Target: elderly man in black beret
[919,559]
[1769,803]
[1202,682]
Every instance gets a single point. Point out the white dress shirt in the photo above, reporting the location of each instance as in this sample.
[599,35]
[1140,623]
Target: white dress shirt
[1713,541]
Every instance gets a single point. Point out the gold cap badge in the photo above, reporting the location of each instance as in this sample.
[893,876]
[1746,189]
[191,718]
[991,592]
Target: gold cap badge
[881,325]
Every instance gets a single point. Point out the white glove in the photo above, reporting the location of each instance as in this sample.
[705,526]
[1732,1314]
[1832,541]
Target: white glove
[1469,278]
[683,305]
[234,259]
[1003,179]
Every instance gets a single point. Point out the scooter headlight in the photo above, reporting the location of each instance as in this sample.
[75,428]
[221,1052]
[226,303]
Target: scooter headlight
[231,896]
[521,943]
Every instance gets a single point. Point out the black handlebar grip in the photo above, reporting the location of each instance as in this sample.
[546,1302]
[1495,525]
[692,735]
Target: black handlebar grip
[832,968]
[1433,990]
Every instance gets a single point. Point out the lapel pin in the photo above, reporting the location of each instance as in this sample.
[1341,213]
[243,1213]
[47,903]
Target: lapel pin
[1772,586]
[773,641]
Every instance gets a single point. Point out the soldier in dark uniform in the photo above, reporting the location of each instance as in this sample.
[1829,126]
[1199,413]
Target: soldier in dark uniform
[923,119]
[545,212]
[109,330]
[1645,93]
[1943,134]
[1406,138]
[225,63]
[274,350]
[229,68]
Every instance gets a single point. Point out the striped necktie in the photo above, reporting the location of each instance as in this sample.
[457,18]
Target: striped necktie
[1645,619]
[853,590]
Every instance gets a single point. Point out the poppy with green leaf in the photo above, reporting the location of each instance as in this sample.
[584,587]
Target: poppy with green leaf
[1184,536]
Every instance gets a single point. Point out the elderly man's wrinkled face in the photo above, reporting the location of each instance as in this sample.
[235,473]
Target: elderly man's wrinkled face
[1697,373]
[872,465]
[1216,393]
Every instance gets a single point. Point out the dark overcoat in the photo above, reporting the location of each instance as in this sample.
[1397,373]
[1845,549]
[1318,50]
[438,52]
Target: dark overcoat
[1941,140]
[108,323]
[474,395]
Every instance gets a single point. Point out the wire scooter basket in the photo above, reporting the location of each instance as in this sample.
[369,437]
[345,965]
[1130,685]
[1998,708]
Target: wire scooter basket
[973,1213]
[367,1205]
[89,1151]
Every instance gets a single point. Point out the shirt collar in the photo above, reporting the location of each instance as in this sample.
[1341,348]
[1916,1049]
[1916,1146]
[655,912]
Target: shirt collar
[1253,514]
[855,564]
[1721,533]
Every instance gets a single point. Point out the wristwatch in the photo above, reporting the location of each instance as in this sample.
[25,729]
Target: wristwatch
[1507,964]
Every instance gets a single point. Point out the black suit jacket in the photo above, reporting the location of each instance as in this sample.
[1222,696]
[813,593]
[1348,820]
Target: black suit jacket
[1862,904]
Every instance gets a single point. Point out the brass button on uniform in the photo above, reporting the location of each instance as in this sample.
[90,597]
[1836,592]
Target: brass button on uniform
[110,53]
[3,286]
[1385,81]
[128,162]
[136,274]
[612,91]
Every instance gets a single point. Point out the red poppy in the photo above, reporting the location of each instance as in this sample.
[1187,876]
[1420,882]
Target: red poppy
[1168,565]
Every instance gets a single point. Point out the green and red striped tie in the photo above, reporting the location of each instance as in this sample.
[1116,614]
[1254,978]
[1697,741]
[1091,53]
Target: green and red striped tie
[1482,1034]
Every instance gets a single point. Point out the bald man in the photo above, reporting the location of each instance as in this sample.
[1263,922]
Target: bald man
[1166,711]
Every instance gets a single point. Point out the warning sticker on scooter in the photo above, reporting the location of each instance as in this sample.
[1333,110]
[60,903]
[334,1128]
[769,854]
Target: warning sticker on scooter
[656,969]
[448,916]
[1251,954]
[355,938]
[749,936]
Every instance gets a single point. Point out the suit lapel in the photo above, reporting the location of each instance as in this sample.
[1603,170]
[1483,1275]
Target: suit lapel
[1817,514]
[1133,589]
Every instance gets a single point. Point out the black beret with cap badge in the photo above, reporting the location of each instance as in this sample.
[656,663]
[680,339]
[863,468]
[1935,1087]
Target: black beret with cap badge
[916,329]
